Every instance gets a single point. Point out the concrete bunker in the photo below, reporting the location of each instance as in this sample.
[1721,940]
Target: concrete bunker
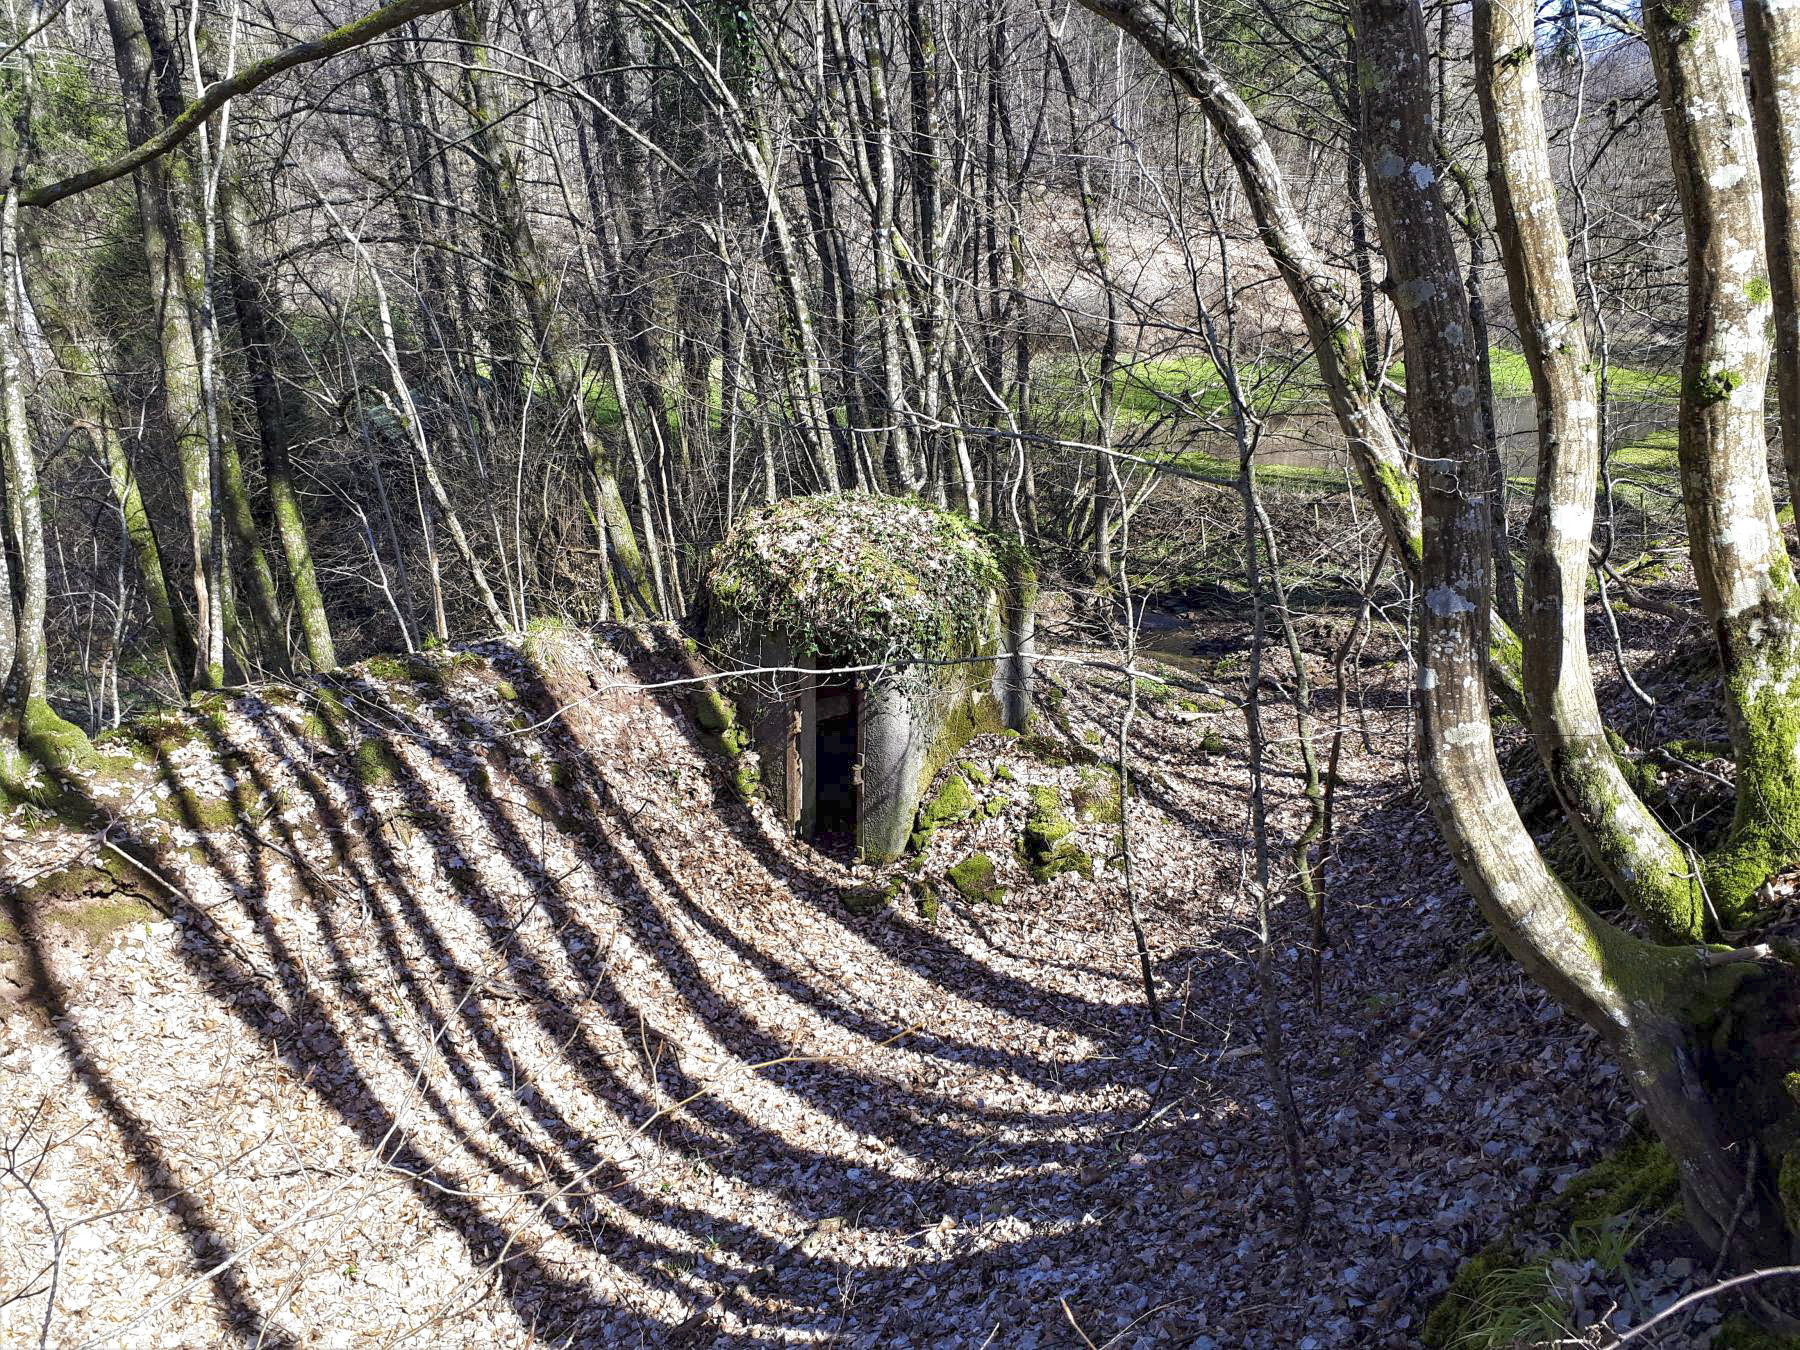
[885,634]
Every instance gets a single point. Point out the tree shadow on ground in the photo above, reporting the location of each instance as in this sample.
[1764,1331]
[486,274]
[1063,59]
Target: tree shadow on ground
[494,917]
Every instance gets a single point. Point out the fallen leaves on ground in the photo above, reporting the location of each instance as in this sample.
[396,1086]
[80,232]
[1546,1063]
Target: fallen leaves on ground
[525,1033]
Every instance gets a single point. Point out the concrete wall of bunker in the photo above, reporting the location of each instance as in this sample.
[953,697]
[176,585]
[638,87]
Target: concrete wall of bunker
[912,721]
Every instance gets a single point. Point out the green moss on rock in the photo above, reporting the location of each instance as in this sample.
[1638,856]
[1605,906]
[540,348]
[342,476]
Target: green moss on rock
[1046,825]
[976,879]
[858,576]
[1045,844]
[953,802]
[717,716]
[712,710]
[870,898]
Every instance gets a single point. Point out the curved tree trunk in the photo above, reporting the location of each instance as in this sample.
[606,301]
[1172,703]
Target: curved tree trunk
[1672,1014]
[1642,861]
[1330,316]
[96,408]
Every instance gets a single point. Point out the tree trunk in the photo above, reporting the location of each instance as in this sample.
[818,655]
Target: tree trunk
[1642,861]
[1672,1015]
[1772,29]
[1746,584]
[166,254]
[24,653]
[96,408]
[254,305]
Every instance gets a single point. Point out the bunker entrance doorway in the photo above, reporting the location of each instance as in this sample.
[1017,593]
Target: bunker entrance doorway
[837,767]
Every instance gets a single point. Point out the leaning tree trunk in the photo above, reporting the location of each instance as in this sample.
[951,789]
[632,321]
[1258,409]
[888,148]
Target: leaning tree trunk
[95,407]
[1329,314]
[42,734]
[1675,1016]
[1642,861]
[1746,583]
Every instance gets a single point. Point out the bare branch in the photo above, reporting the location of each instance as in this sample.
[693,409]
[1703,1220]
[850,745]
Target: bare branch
[353,34]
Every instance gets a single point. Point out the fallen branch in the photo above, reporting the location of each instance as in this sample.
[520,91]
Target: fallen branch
[1699,1295]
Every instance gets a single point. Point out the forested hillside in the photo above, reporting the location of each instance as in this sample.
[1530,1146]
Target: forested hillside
[885,674]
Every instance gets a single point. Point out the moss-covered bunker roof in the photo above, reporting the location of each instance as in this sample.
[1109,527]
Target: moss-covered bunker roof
[857,577]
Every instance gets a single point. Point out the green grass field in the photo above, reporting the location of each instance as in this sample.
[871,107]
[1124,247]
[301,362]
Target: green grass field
[1186,387]
[1512,378]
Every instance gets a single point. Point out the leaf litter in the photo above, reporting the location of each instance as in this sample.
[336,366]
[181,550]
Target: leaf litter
[524,1032]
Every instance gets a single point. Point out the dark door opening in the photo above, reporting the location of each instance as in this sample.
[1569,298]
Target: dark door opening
[838,793]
